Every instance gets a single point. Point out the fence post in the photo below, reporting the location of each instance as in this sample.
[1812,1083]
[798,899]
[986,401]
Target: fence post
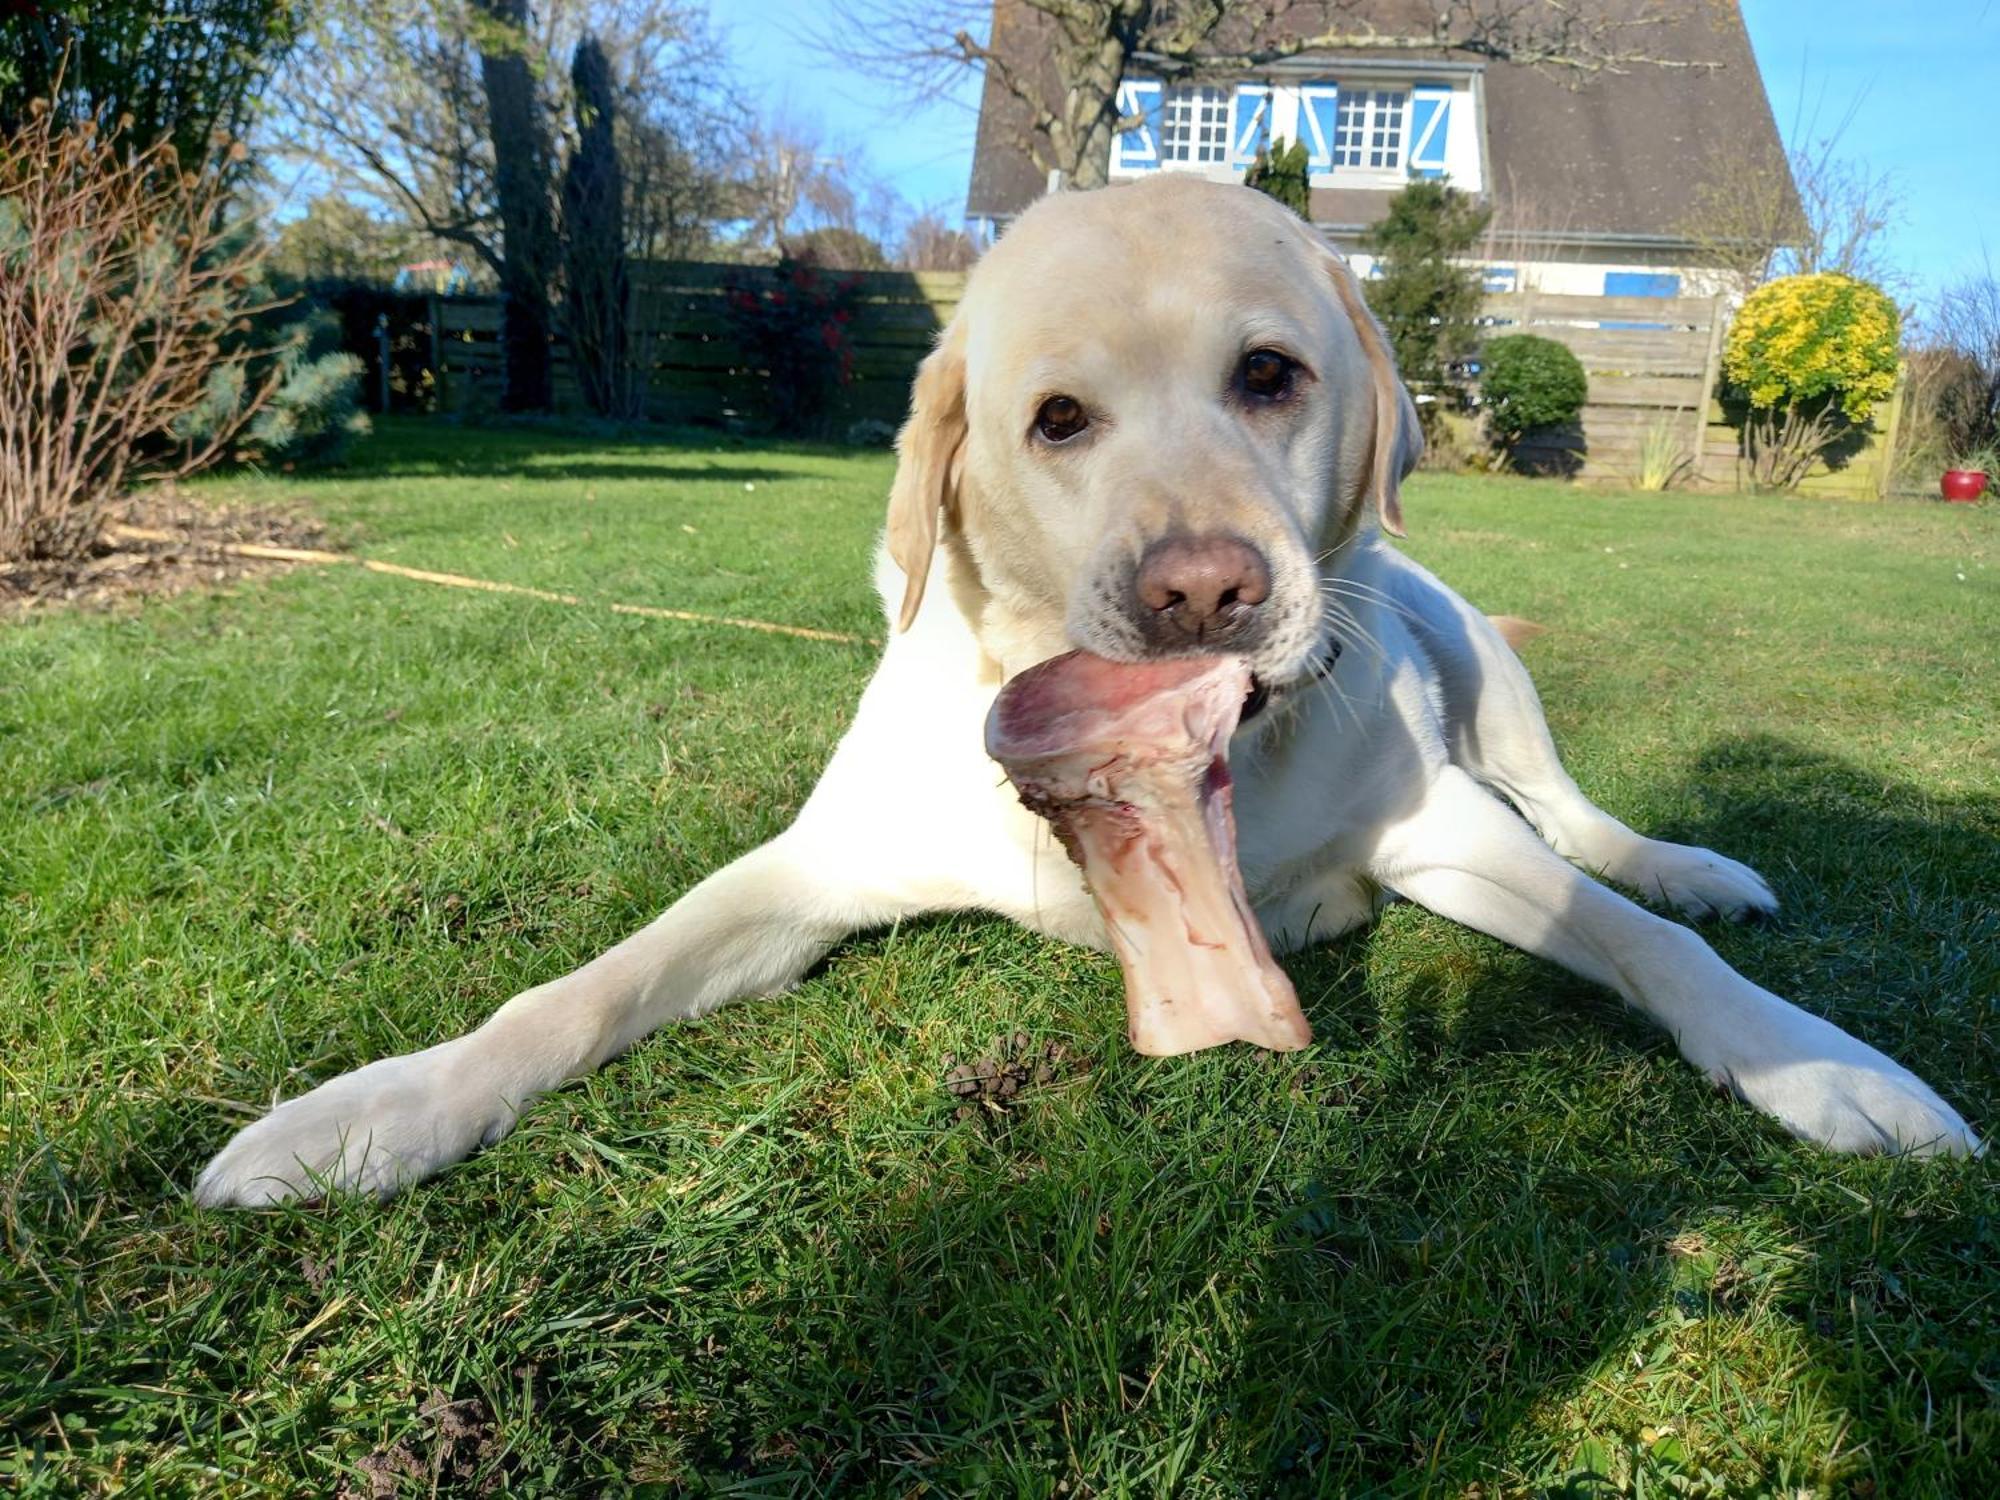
[1711,366]
[382,358]
[1885,476]
[437,353]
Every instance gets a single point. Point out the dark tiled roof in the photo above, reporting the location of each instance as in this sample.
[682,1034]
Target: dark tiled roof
[1619,154]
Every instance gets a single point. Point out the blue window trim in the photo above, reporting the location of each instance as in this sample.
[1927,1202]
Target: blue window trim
[1430,129]
[1139,149]
[1319,114]
[1250,111]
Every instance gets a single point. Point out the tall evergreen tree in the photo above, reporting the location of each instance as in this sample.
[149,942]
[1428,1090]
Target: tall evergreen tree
[523,178]
[1425,297]
[596,279]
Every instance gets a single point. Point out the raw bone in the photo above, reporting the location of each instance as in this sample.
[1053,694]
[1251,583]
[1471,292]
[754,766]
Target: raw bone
[1127,763]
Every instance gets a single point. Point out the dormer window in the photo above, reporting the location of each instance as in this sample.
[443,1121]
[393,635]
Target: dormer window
[1368,129]
[1365,131]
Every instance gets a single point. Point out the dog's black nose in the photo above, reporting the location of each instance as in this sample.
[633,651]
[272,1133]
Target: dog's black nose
[1200,591]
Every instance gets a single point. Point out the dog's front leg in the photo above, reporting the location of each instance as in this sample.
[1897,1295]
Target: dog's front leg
[1465,856]
[751,928]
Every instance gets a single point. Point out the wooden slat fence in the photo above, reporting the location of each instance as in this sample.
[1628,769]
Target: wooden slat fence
[1651,361]
[697,370]
[1655,362]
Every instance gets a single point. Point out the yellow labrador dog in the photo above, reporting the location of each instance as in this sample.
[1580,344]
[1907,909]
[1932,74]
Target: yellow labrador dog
[1162,422]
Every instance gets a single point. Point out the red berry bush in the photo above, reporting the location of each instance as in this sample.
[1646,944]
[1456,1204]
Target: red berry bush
[794,325]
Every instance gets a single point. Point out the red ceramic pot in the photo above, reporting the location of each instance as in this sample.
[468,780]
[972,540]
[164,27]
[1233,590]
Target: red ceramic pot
[1963,484]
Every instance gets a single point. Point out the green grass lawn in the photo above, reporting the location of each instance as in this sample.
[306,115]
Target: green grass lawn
[1487,1236]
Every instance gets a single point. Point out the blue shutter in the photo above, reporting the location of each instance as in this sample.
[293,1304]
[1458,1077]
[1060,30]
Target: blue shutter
[1138,150]
[1430,126]
[1249,122]
[1319,106]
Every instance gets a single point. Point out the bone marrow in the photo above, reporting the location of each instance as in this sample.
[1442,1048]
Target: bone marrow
[1128,763]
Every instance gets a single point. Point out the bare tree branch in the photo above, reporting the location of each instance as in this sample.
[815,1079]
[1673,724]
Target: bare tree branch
[1756,216]
[382,102]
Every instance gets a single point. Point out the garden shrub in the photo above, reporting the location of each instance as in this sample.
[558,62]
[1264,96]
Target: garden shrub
[1964,383]
[313,412]
[1530,382]
[127,303]
[1810,357]
[792,324]
[871,432]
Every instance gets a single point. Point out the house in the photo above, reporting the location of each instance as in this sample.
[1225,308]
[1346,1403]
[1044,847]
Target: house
[443,278]
[1594,178]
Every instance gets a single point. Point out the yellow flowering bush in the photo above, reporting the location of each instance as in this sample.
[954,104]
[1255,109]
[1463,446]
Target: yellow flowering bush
[1806,340]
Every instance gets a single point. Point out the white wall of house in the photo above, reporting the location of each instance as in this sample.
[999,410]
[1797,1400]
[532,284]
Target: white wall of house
[1582,270]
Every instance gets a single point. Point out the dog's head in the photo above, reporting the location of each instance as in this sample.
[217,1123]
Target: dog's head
[1157,409]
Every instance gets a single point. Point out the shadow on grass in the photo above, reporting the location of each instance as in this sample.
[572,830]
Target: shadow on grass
[1496,1207]
[605,469]
[419,447]
[1374,1268]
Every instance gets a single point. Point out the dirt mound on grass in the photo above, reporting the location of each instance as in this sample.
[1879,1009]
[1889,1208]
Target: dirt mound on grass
[184,549]
[1012,1065]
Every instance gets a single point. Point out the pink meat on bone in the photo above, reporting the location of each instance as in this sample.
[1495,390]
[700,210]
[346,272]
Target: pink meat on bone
[1127,762]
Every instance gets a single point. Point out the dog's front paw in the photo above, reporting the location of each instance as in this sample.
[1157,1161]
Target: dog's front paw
[1825,1086]
[373,1130]
[1697,883]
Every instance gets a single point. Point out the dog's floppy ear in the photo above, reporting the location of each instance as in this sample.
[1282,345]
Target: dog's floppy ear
[929,457]
[1399,438]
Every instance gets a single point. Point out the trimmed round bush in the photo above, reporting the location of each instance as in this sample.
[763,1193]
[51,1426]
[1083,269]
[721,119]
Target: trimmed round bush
[1530,382]
[1807,341]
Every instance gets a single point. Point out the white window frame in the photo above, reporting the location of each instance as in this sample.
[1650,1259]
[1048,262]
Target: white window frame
[1194,126]
[1381,129]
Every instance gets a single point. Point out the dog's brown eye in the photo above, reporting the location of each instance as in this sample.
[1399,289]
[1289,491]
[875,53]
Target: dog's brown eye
[1267,374]
[1060,419]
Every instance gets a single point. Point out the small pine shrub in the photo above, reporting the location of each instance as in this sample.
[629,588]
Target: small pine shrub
[314,411]
[1530,382]
[1427,298]
[1282,173]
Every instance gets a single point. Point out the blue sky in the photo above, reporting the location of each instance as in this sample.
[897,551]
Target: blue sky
[1914,80]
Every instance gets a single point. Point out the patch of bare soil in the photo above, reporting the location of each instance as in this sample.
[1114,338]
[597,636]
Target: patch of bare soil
[450,1454]
[122,569]
[1012,1066]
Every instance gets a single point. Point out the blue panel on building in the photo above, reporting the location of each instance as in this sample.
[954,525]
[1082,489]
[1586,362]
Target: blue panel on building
[1640,284]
